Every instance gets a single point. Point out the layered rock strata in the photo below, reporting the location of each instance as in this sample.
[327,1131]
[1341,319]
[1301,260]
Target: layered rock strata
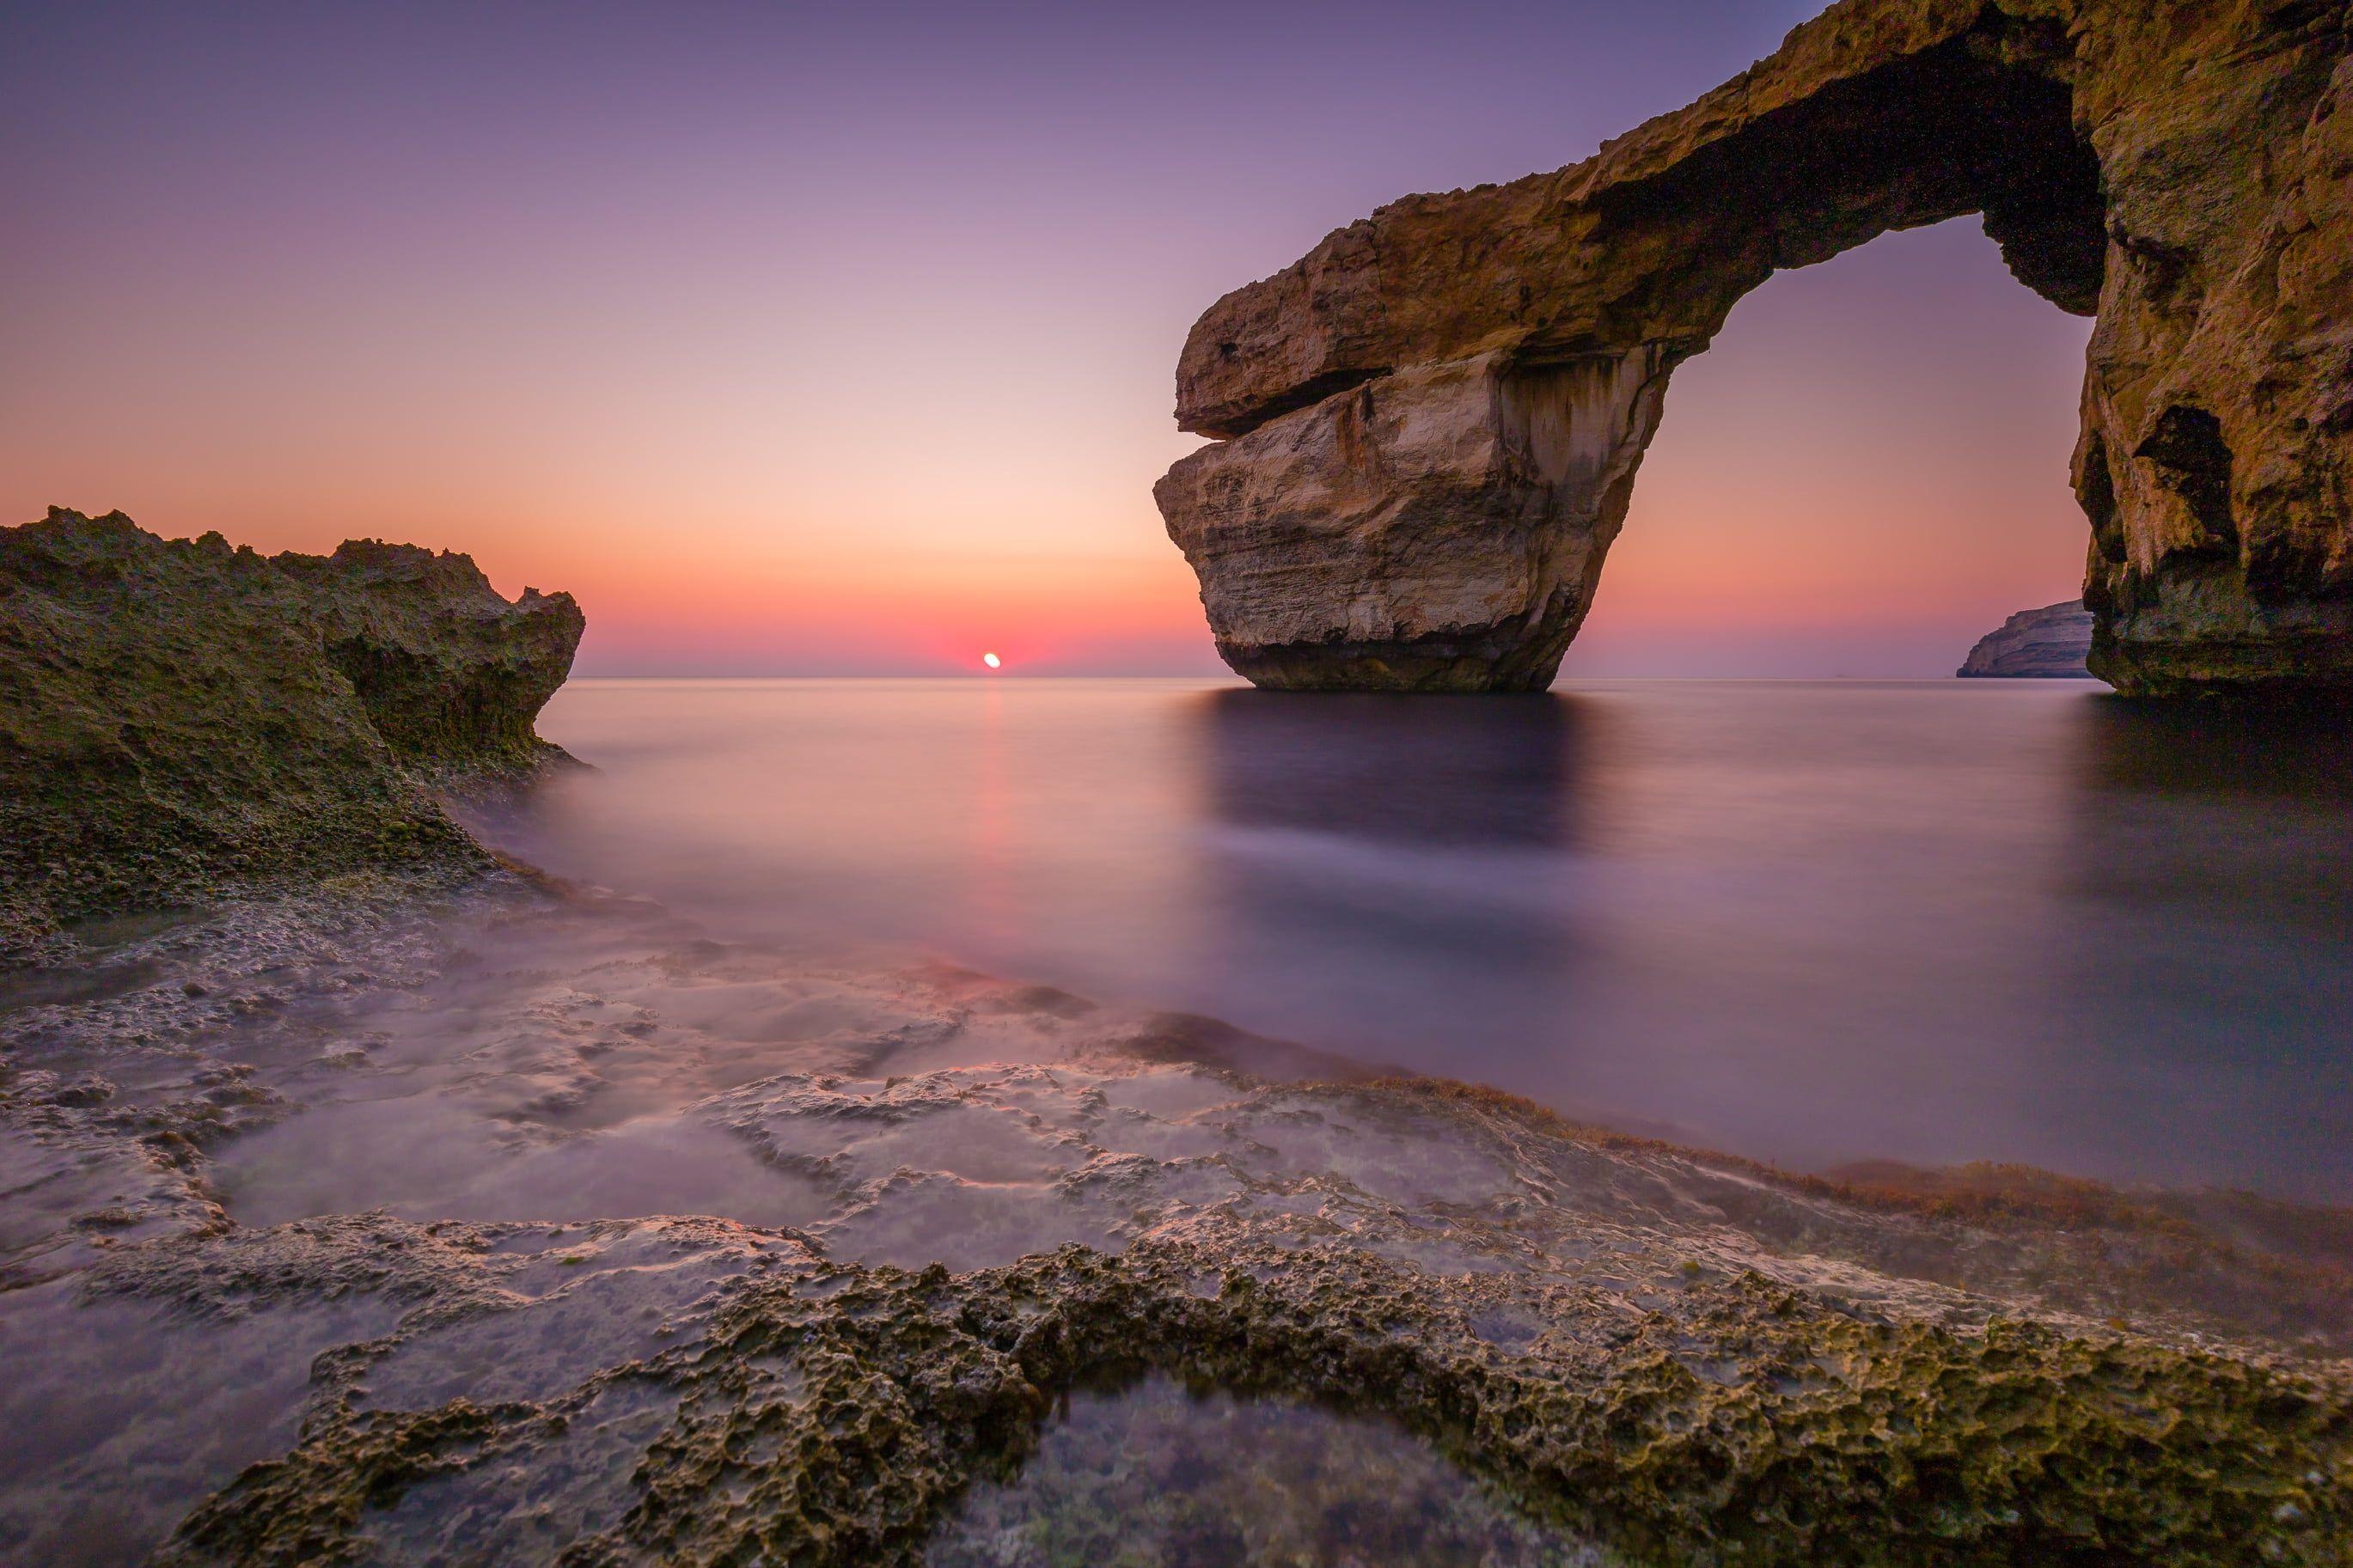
[2052,643]
[175,715]
[1428,429]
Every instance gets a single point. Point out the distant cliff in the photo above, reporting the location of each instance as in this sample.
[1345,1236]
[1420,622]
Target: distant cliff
[2052,643]
[2045,643]
[180,715]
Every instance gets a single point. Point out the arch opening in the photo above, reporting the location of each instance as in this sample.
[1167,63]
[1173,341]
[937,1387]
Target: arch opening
[1865,473]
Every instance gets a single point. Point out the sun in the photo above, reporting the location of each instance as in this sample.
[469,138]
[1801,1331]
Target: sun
[991,660]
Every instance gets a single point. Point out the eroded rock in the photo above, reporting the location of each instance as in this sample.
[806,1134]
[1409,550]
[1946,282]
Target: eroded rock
[176,716]
[810,1413]
[1428,429]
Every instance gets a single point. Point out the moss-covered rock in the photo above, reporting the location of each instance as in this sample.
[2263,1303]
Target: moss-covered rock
[829,1414]
[176,715]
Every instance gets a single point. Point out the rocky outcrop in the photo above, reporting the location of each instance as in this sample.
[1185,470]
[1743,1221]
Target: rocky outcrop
[1428,429]
[175,715]
[2052,643]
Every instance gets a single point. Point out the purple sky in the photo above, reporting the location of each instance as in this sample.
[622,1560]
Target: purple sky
[830,339]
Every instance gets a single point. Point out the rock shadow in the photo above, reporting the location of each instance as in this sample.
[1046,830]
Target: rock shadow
[1405,770]
[1381,872]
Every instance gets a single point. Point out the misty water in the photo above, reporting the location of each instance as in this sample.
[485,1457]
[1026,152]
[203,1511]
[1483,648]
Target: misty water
[1814,923]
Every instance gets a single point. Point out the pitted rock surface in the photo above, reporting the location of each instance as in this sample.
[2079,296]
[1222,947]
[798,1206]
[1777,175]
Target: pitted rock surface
[1009,1193]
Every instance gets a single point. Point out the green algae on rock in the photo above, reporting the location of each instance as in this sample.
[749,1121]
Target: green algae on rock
[179,715]
[831,1414]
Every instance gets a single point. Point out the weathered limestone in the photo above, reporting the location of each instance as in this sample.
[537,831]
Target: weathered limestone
[2052,643]
[1429,426]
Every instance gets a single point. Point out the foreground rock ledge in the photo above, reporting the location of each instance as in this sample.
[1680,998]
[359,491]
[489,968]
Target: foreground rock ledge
[1429,426]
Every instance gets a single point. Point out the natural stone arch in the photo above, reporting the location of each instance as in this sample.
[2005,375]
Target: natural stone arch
[1429,426]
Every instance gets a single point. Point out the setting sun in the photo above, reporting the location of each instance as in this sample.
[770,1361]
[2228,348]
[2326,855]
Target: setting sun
[991,660]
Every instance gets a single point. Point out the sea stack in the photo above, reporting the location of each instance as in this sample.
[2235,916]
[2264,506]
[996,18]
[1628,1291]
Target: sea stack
[2053,643]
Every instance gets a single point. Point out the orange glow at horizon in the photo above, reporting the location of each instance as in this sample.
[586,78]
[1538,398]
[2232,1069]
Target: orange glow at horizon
[1819,485]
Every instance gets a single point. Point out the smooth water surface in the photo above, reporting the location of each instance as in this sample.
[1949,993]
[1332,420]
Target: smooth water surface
[1152,1477]
[1812,922]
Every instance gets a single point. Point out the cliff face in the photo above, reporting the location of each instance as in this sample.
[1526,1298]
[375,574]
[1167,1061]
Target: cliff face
[2053,642]
[1429,426]
[177,714]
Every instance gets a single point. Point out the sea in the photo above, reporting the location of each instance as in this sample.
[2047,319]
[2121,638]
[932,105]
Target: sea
[1816,923]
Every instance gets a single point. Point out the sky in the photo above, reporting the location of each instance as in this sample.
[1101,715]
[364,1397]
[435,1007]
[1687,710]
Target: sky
[841,340]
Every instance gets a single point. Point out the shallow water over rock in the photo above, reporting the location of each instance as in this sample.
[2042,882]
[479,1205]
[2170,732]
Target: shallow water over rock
[1152,1476]
[121,1415]
[930,1204]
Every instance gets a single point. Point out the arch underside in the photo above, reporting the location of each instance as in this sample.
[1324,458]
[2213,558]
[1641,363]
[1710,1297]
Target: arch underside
[1430,427]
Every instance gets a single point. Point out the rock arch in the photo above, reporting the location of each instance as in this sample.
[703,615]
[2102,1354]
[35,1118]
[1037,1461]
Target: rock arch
[1428,427]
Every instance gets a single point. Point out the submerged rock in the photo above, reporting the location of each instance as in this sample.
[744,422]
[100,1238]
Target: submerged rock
[1656,1354]
[2053,642]
[179,715]
[1154,1473]
[1428,429]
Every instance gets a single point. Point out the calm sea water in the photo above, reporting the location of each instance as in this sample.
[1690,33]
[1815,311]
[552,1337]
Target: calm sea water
[1814,923]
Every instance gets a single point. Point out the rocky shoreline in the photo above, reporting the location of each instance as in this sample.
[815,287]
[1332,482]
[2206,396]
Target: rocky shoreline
[1674,1355]
[379,1206]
